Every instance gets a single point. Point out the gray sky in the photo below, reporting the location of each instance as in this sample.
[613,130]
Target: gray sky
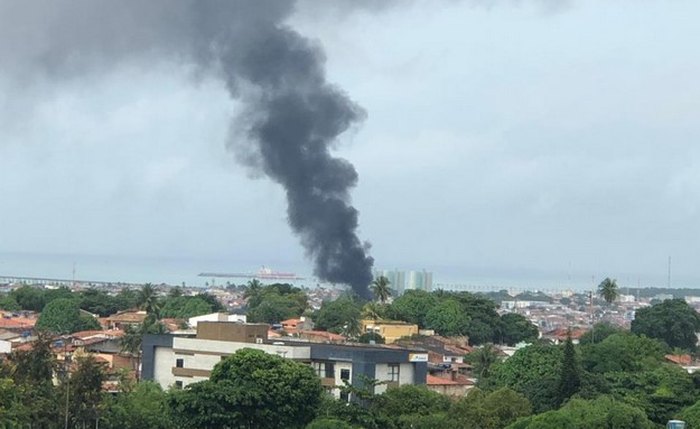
[517,140]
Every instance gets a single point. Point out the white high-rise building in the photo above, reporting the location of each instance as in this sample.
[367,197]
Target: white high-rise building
[401,281]
[421,280]
[397,280]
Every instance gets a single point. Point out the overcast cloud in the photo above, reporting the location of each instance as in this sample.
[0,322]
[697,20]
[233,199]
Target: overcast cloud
[517,140]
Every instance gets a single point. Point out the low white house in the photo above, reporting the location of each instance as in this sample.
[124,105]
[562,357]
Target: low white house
[217,317]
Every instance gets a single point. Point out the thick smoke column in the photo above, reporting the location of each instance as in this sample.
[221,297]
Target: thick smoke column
[292,114]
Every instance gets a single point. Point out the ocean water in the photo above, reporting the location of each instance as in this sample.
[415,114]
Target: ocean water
[173,271]
[176,271]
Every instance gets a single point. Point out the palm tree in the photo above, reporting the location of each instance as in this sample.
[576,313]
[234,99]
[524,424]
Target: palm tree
[373,311]
[252,293]
[380,288]
[482,359]
[148,300]
[608,290]
[131,345]
[353,328]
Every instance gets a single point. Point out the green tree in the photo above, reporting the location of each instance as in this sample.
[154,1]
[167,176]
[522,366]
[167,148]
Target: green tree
[275,302]
[691,415]
[599,332]
[324,423]
[672,321]
[32,374]
[12,409]
[146,406]
[184,307]
[409,400]
[148,300]
[251,389]
[608,290]
[85,391]
[600,413]
[369,337]
[29,298]
[214,302]
[275,308]
[495,410]
[622,352]
[569,379]
[130,344]
[374,311]
[515,328]
[62,316]
[98,302]
[532,371]
[412,307]
[126,299]
[333,316]
[8,303]
[252,292]
[484,324]
[482,359]
[380,288]
[448,318]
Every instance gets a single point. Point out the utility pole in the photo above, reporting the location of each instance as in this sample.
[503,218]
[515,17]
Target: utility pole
[668,283]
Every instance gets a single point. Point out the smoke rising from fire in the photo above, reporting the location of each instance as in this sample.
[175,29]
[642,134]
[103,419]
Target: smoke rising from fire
[291,117]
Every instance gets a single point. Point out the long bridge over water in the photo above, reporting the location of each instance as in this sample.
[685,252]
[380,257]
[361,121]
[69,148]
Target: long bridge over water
[7,279]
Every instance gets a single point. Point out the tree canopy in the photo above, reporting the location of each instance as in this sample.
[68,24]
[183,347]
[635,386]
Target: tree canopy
[251,389]
[275,303]
[672,321]
[335,315]
[62,316]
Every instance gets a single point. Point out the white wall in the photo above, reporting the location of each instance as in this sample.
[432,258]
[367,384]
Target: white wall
[217,317]
[190,351]
[406,374]
[164,361]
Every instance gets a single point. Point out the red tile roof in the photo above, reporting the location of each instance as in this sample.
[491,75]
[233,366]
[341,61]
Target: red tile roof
[679,359]
[432,380]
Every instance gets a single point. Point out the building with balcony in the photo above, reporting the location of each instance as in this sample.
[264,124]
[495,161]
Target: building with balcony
[179,360]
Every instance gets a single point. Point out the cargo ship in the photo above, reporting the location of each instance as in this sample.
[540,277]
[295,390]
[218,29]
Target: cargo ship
[263,273]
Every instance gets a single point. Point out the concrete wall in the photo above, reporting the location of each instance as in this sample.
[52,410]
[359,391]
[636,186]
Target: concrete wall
[232,331]
[200,356]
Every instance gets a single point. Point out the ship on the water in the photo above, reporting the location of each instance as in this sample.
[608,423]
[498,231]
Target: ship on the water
[263,273]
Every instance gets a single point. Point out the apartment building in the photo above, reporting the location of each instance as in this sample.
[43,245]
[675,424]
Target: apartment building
[179,360]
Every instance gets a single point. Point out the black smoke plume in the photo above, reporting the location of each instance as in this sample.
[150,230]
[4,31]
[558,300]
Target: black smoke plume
[292,114]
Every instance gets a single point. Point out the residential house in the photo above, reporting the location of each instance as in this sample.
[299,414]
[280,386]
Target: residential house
[123,319]
[390,330]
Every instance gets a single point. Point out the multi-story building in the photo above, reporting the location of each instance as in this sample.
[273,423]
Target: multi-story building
[421,280]
[397,280]
[174,360]
[401,281]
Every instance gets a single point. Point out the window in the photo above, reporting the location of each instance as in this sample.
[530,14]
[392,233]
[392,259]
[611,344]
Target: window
[319,369]
[330,370]
[345,374]
[178,384]
[180,363]
[394,369]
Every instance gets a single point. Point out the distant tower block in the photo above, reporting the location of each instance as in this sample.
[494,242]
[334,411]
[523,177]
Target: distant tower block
[401,281]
